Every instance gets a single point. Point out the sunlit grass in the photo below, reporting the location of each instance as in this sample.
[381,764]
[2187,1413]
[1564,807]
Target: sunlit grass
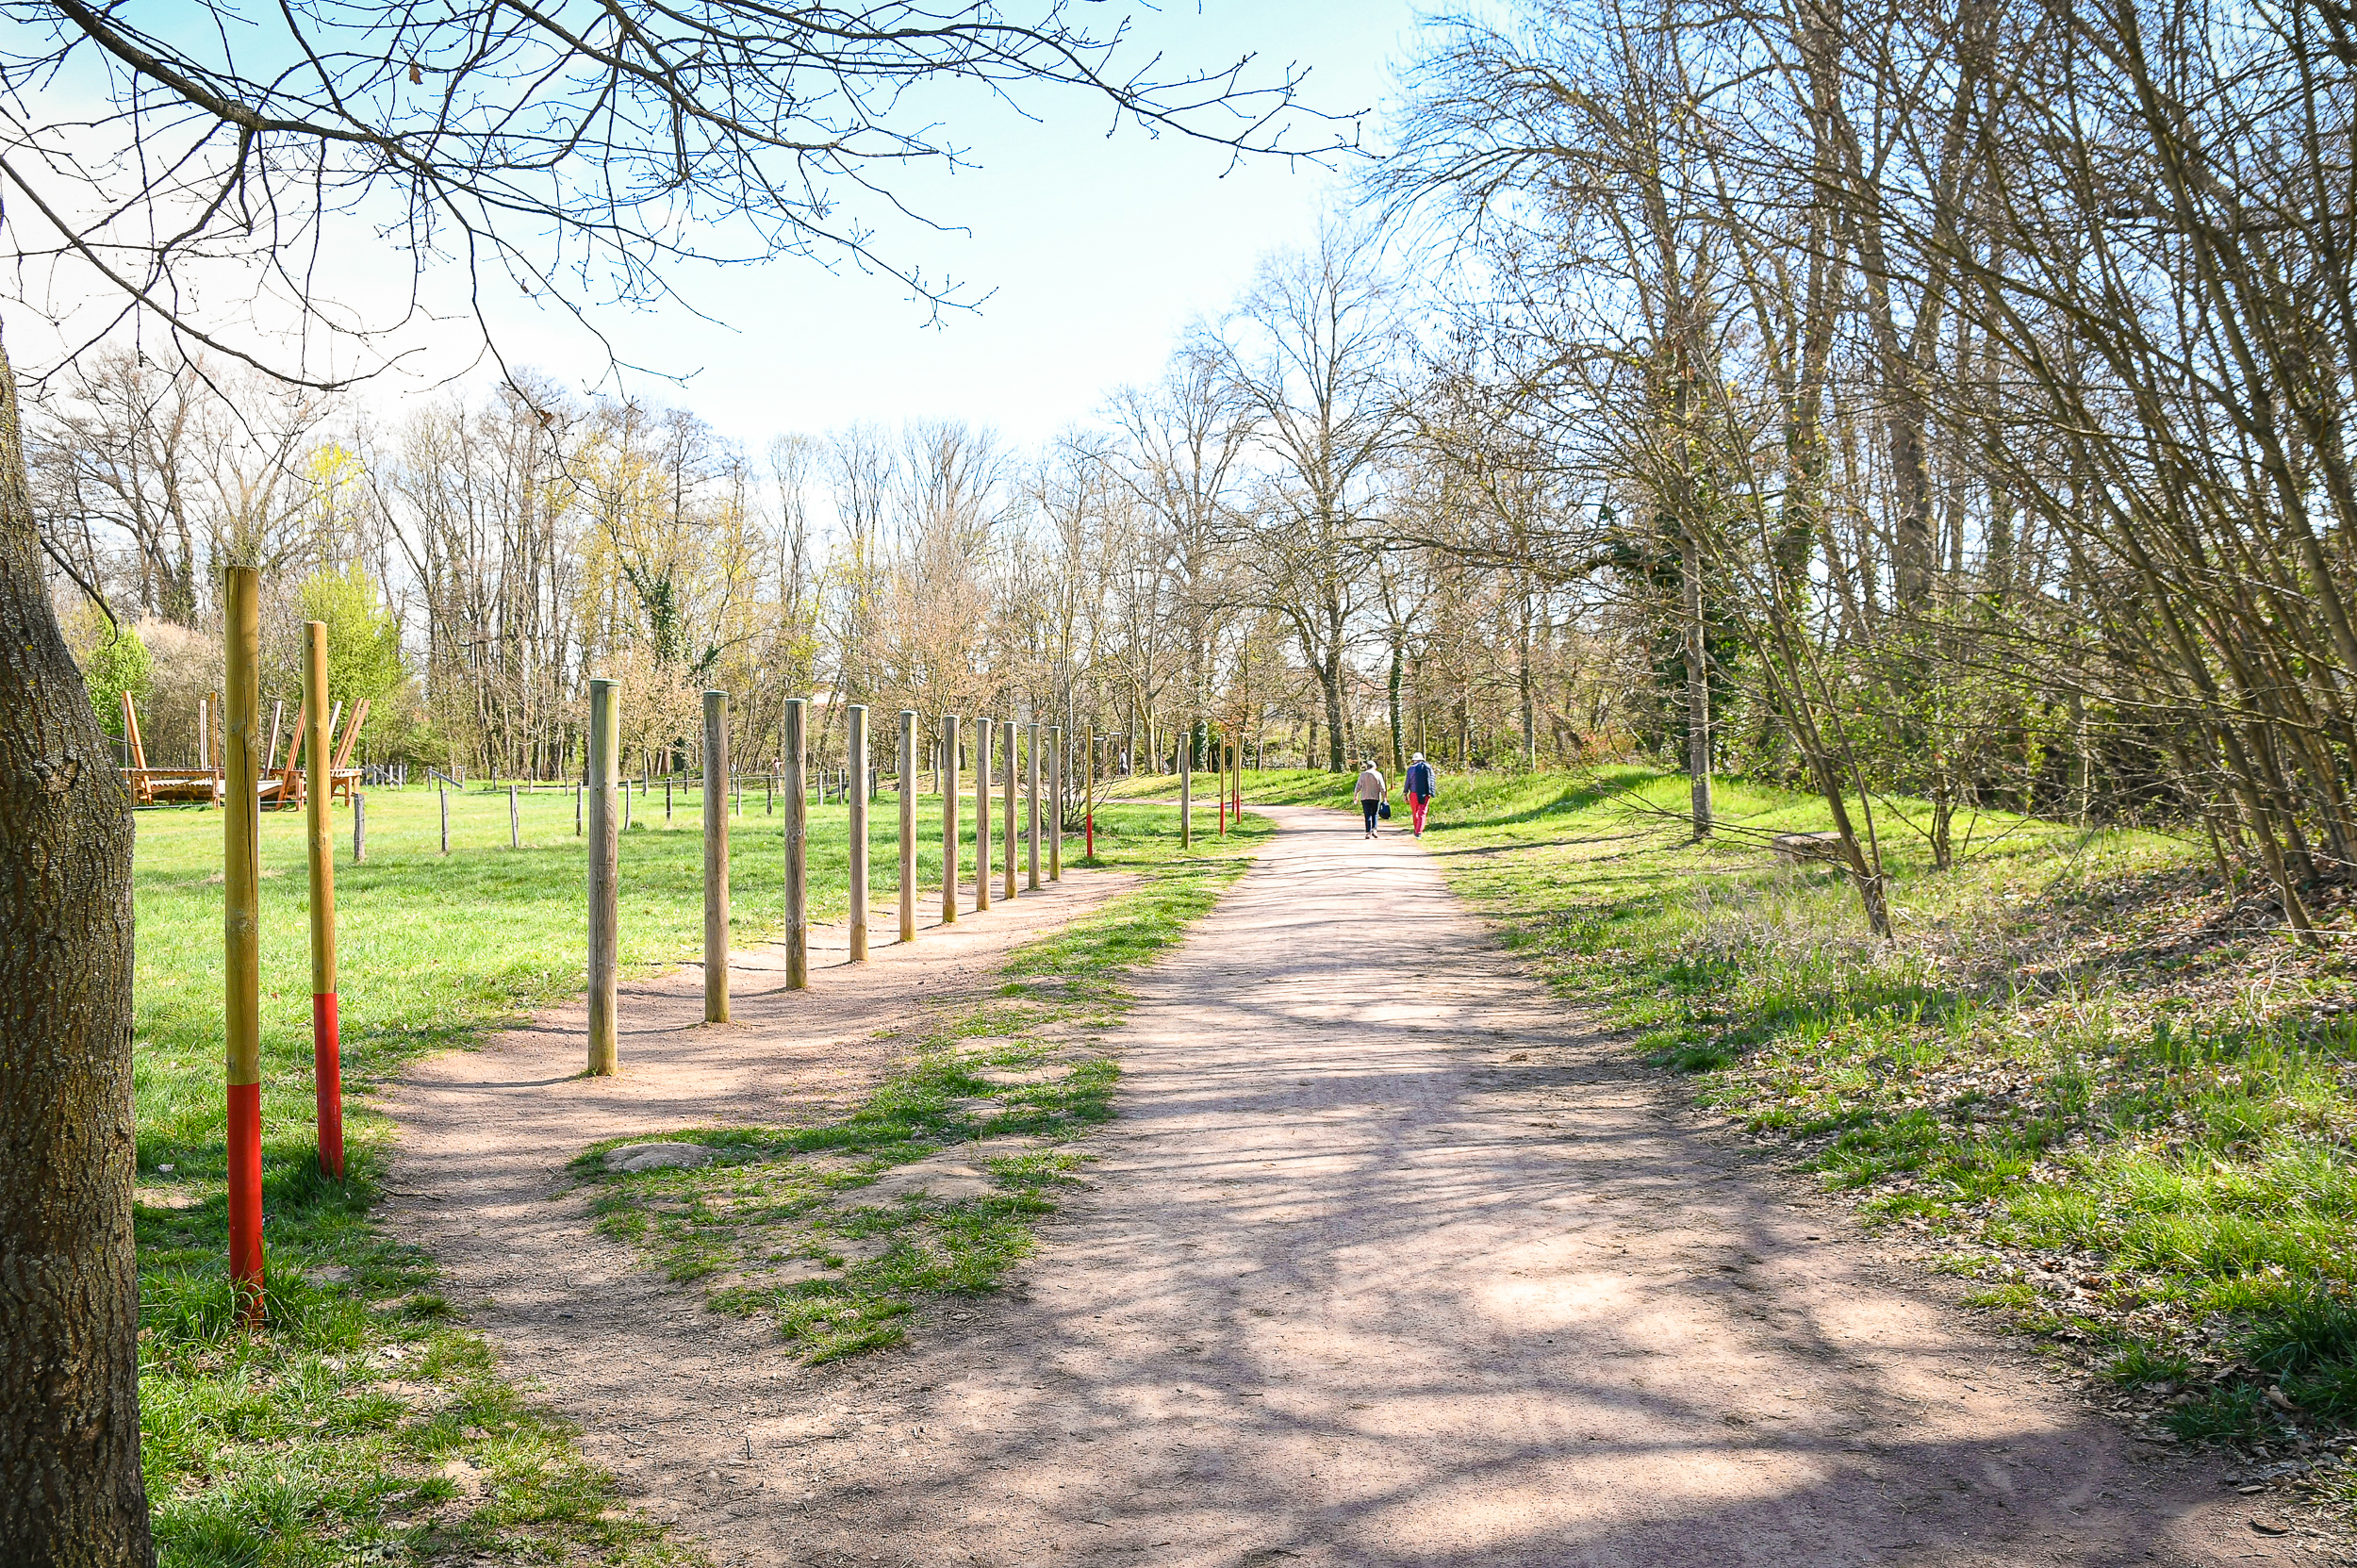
[323,1437]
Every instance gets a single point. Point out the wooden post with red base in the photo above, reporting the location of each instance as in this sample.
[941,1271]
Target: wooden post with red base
[327,1072]
[241,939]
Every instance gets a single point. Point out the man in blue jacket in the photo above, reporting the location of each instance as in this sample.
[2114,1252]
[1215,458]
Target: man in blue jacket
[1419,783]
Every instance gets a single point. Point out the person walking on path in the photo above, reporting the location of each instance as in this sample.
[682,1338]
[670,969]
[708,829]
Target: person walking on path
[1372,792]
[1419,786]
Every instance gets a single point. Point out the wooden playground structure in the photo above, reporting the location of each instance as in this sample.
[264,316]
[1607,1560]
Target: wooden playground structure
[204,784]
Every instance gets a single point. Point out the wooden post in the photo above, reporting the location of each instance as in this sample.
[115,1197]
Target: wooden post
[715,857]
[1030,809]
[1055,803]
[667,800]
[1006,756]
[578,793]
[514,821]
[444,791]
[1088,819]
[986,736]
[855,741]
[1219,754]
[1186,789]
[605,780]
[241,943]
[326,1045]
[360,826]
[204,735]
[945,775]
[907,824]
[796,861]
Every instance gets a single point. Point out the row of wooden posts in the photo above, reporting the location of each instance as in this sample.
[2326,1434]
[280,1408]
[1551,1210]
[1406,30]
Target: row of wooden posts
[243,787]
[1020,744]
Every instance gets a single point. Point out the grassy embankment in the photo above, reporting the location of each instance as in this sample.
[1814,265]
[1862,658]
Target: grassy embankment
[364,1424]
[777,1225]
[2092,1080]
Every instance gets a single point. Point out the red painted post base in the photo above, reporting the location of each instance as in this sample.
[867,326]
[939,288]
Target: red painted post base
[245,1199]
[1089,828]
[327,1072]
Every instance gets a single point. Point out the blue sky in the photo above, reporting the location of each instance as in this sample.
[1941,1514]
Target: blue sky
[1095,251]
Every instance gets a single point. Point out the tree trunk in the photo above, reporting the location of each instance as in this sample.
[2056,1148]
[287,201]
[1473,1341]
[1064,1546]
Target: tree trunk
[1399,757]
[1697,687]
[1527,691]
[70,1486]
[1330,673]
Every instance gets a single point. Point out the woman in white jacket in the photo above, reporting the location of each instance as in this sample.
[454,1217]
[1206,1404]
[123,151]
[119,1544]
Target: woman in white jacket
[1372,792]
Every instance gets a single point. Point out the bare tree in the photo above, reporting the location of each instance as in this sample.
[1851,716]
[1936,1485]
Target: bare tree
[1314,357]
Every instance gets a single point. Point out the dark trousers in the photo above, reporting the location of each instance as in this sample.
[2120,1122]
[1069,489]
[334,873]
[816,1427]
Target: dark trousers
[1369,807]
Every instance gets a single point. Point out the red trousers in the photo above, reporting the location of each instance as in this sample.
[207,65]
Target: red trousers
[1415,809]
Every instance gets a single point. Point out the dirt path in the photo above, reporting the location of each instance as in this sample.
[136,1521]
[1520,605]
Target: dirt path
[1386,1260]
[480,1181]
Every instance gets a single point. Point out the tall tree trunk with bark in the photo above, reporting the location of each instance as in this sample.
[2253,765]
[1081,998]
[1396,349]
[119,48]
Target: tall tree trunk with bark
[1330,676]
[1697,687]
[70,1492]
[1399,665]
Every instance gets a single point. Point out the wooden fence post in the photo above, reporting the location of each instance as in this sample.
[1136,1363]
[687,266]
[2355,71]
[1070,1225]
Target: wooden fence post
[1186,790]
[1031,807]
[715,857]
[1088,819]
[605,780]
[855,743]
[796,856]
[946,772]
[360,826]
[578,793]
[241,942]
[1006,756]
[327,1045]
[1055,803]
[444,791]
[514,821]
[985,736]
[907,824]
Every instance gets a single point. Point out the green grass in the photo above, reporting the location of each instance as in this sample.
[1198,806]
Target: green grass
[778,1203]
[324,1437]
[2080,1073]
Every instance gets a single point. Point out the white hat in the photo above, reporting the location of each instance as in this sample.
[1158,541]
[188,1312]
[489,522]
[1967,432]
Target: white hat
[1418,757]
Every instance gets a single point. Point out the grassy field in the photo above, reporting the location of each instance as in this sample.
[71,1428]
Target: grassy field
[781,1204]
[364,1424]
[2086,1075]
